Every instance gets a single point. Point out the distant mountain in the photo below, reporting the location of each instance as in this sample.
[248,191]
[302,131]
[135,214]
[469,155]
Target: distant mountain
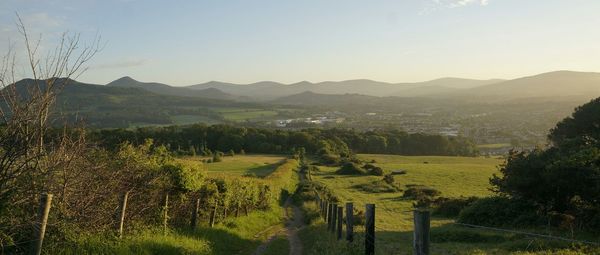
[552,84]
[164,89]
[310,98]
[268,90]
[126,106]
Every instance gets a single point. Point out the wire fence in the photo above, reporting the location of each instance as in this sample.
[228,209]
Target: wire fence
[420,232]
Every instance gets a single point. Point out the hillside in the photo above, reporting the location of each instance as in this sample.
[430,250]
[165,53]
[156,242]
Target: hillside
[164,89]
[268,90]
[123,106]
[552,84]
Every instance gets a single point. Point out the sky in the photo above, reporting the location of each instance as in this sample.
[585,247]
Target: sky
[188,42]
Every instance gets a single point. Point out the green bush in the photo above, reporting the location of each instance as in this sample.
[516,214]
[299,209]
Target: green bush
[501,211]
[451,207]
[185,178]
[350,169]
[217,156]
[377,187]
[420,192]
[377,171]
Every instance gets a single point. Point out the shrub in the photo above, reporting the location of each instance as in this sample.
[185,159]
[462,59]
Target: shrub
[398,172]
[330,159]
[231,153]
[350,169]
[377,171]
[501,211]
[184,178]
[377,187]
[419,192]
[451,207]
[217,156]
[369,166]
[389,179]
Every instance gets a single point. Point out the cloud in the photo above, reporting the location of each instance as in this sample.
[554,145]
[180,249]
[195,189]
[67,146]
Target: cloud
[433,5]
[37,19]
[460,3]
[120,64]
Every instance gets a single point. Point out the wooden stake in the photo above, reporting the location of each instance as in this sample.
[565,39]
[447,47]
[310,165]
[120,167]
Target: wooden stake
[166,214]
[421,233]
[122,218]
[40,229]
[349,222]
[195,211]
[370,229]
[340,220]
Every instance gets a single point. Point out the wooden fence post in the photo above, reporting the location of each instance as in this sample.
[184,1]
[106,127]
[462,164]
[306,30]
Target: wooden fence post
[370,229]
[349,222]
[166,213]
[40,228]
[213,215]
[329,206]
[122,218]
[333,217]
[340,220]
[195,211]
[421,233]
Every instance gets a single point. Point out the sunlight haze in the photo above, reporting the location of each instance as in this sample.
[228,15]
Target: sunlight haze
[190,42]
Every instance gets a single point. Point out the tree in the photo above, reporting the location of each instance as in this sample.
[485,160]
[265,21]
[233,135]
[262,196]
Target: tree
[29,154]
[565,177]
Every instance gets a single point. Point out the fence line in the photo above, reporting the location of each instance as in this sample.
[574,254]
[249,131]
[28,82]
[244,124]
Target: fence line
[528,234]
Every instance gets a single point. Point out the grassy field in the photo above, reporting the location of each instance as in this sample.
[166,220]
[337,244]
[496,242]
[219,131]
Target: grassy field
[242,114]
[238,165]
[493,145]
[453,176]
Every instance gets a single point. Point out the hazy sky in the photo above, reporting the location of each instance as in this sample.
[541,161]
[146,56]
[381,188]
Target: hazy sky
[189,42]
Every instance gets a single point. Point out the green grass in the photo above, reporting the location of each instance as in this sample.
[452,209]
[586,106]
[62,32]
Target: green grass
[453,176]
[493,145]
[238,165]
[279,245]
[243,114]
[192,119]
[233,236]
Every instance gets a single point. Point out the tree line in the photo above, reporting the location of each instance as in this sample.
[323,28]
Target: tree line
[334,142]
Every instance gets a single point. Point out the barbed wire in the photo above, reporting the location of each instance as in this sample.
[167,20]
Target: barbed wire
[529,234]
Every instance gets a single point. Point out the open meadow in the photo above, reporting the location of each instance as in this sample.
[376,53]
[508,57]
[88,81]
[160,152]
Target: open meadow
[452,176]
[258,165]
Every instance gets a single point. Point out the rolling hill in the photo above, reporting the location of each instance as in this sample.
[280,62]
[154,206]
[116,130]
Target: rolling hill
[268,90]
[552,84]
[125,106]
[164,89]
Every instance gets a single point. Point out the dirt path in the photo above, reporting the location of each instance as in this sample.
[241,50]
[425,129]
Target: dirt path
[292,228]
[293,223]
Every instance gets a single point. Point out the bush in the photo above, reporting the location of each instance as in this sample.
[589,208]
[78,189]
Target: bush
[231,153]
[350,169]
[217,156]
[377,171]
[369,166]
[419,192]
[451,207]
[330,159]
[377,187]
[501,211]
[398,172]
[184,178]
[389,179]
